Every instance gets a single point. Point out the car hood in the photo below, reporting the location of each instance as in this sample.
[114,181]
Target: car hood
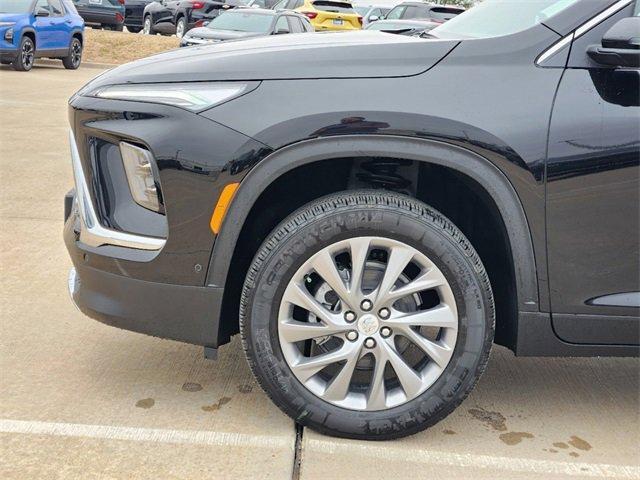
[213,34]
[296,56]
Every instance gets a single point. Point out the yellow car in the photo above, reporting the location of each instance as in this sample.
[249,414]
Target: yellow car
[325,14]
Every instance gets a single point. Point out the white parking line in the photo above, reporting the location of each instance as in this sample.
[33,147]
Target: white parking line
[388,451]
[402,453]
[136,434]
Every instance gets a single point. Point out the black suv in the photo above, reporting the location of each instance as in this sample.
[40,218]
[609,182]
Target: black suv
[371,211]
[179,16]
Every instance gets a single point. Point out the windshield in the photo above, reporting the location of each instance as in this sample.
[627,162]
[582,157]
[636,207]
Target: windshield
[15,6]
[361,10]
[242,21]
[494,18]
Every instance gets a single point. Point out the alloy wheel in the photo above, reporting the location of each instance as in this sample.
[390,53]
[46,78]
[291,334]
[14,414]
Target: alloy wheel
[27,55]
[147,26]
[76,53]
[180,28]
[368,323]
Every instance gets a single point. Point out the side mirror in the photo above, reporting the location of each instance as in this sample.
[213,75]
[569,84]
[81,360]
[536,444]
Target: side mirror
[42,12]
[620,45]
[374,18]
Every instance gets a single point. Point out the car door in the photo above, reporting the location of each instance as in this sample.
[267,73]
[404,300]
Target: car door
[61,26]
[43,26]
[164,15]
[593,197]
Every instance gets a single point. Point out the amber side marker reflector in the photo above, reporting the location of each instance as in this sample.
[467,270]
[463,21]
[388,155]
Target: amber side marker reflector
[221,207]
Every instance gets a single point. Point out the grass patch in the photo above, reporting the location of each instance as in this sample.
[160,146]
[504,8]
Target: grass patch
[103,46]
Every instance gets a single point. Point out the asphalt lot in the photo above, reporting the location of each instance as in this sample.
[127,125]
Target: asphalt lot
[82,400]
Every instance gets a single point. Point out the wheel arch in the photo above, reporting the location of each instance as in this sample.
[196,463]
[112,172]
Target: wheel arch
[31,33]
[78,34]
[491,179]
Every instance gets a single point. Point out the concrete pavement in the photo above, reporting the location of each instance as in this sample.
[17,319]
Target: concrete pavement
[82,400]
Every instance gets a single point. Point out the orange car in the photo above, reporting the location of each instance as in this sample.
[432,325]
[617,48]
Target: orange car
[325,14]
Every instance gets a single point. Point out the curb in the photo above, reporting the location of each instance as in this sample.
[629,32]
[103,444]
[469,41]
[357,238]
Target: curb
[53,63]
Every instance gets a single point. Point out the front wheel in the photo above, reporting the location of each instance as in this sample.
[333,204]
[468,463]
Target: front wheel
[181,27]
[147,27]
[26,55]
[367,315]
[72,61]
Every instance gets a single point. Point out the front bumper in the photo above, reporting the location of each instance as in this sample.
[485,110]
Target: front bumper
[8,55]
[177,312]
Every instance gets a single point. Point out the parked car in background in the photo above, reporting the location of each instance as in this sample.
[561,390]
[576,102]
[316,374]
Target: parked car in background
[325,15]
[411,28]
[371,13]
[133,14]
[262,3]
[31,29]
[107,14]
[370,248]
[424,11]
[177,17]
[245,23]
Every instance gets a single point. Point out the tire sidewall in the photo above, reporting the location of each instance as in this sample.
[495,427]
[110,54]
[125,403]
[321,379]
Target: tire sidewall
[20,59]
[443,244]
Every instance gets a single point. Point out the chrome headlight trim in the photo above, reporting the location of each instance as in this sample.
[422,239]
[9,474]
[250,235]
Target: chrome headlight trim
[92,233]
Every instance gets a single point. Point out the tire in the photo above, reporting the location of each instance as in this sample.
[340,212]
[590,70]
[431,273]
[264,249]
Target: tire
[73,60]
[26,55]
[147,26]
[113,28]
[181,27]
[395,228]
[134,29]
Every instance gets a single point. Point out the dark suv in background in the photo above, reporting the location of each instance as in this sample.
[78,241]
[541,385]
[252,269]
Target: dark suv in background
[107,14]
[370,248]
[179,16]
[134,13]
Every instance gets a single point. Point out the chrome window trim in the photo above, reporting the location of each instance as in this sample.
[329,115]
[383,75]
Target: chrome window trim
[581,30]
[92,233]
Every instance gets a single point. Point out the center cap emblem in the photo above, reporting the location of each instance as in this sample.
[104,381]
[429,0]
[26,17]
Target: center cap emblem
[368,325]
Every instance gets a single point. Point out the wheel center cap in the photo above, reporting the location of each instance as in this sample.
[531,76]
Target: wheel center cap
[368,324]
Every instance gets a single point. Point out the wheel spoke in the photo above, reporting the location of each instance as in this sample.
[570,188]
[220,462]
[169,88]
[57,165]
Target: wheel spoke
[377,398]
[441,316]
[409,379]
[295,331]
[430,279]
[339,386]
[299,296]
[306,367]
[399,258]
[325,266]
[359,252]
[436,352]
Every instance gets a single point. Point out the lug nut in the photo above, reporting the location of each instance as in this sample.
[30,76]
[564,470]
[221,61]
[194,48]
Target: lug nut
[366,305]
[385,332]
[350,316]
[369,343]
[352,335]
[384,313]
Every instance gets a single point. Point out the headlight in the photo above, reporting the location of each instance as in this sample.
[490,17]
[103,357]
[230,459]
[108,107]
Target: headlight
[194,96]
[139,170]
[8,35]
